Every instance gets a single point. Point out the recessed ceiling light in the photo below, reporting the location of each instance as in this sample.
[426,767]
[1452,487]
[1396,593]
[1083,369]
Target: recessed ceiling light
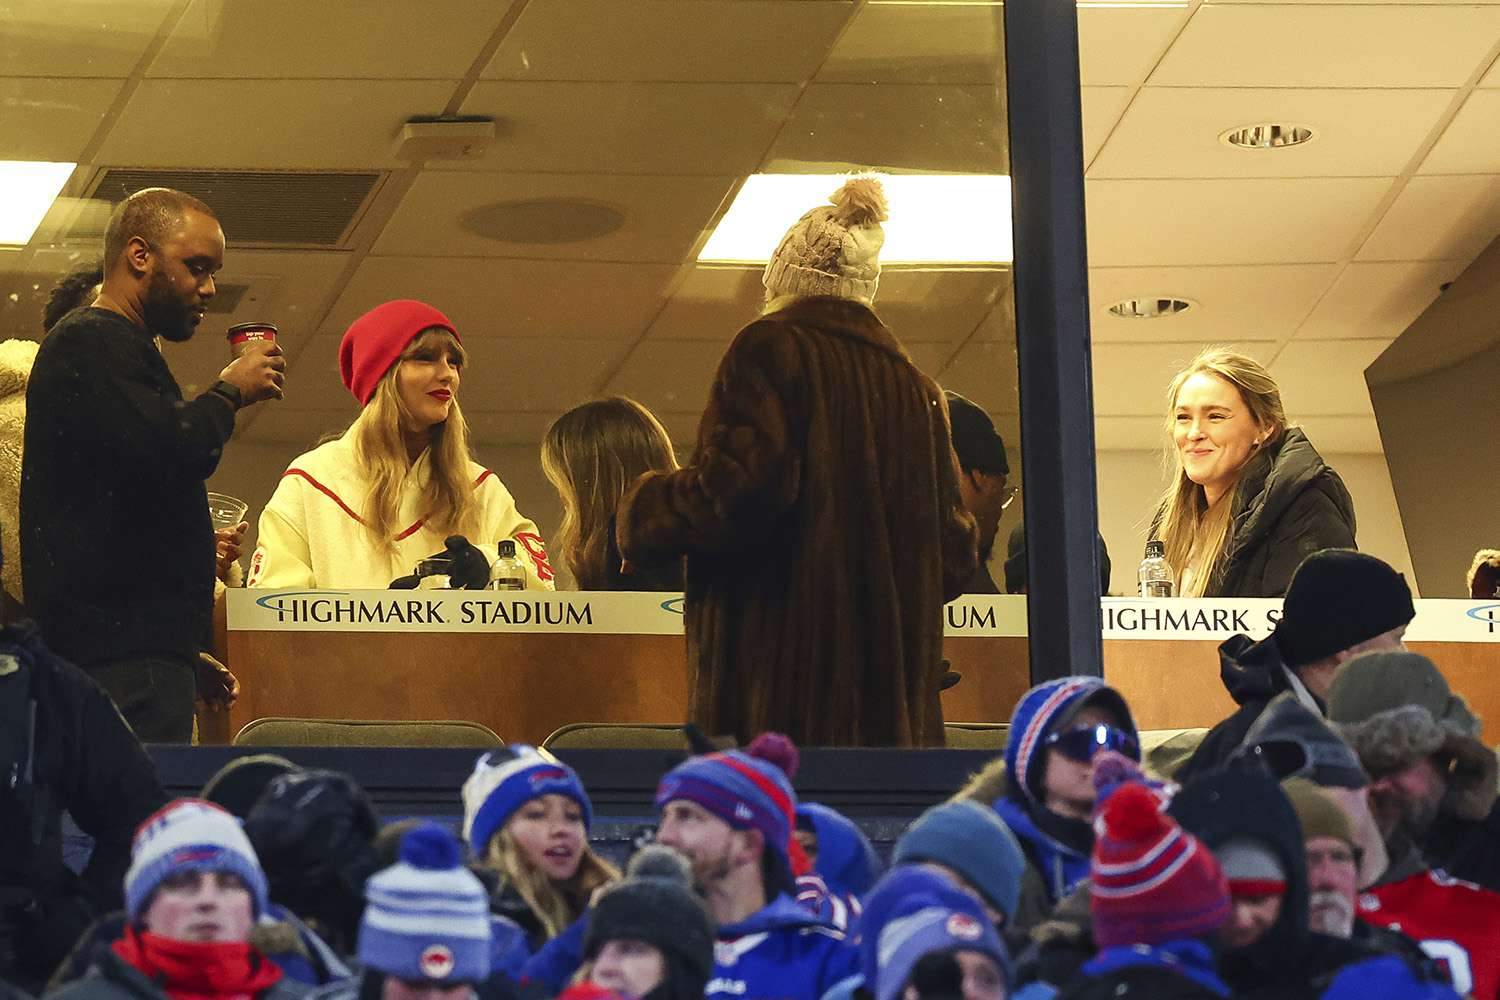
[1150,307]
[935,218]
[544,220]
[1267,135]
[30,188]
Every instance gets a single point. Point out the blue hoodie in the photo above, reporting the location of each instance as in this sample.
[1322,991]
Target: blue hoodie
[1187,958]
[1061,864]
[846,861]
[783,952]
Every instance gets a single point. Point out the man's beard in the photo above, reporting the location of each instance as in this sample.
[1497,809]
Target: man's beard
[1331,913]
[709,872]
[166,314]
[1399,815]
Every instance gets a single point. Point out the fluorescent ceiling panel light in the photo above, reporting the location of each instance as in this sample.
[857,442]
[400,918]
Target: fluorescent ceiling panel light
[935,218]
[30,189]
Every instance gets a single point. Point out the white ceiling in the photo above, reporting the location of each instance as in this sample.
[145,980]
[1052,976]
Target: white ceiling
[1311,258]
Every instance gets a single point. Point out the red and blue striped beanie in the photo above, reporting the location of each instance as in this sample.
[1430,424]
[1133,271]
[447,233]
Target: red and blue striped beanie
[747,792]
[1151,881]
[1037,715]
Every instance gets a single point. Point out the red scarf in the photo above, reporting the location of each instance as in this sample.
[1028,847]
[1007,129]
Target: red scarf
[189,970]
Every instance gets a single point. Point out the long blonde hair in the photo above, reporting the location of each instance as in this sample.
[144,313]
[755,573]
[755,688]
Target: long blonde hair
[556,904]
[592,454]
[1194,534]
[448,503]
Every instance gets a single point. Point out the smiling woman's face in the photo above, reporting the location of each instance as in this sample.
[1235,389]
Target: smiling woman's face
[1214,432]
[200,906]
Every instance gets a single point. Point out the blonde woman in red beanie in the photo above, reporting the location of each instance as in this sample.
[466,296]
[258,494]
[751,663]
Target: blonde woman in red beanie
[362,509]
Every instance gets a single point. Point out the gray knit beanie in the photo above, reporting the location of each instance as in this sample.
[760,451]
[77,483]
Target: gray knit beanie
[833,249]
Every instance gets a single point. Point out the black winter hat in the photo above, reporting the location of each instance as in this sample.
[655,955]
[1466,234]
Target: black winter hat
[240,783]
[655,903]
[314,832]
[978,444]
[1339,598]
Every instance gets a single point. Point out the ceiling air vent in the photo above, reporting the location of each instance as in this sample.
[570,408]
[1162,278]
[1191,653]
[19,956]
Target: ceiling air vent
[259,208]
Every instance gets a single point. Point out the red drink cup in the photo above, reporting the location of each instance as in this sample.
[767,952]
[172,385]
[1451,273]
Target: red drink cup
[242,335]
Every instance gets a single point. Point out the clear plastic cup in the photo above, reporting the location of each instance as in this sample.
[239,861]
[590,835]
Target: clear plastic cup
[226,511]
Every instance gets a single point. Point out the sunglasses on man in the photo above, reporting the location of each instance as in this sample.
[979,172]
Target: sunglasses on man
[1081,742]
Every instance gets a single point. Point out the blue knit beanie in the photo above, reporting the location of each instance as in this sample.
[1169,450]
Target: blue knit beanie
[505,780]
[1039,712]
[922,924]
[901,882]
[846,859]
[973,841]
[427,918]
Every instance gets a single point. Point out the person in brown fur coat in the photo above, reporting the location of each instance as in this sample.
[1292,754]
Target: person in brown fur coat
[820,513]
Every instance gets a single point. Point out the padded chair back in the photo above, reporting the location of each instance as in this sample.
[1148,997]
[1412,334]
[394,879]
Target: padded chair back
[284,732]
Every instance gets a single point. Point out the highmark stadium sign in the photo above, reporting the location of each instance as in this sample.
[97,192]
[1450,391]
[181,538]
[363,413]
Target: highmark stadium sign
[661,614]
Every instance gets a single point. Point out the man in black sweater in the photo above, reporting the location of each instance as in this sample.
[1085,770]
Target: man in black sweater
[117,548]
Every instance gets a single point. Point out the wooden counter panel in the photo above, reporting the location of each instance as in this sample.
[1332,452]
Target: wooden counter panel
[525,685]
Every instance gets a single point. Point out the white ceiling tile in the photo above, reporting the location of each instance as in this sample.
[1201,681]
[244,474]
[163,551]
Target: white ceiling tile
[986,372]
[78,38]
[618,127]
[332,39]
[1117,46]
[902,126]
[1132,379]
[711,302]
[1492,78]
[919,43]
[774,41]
[1134,223]
[670,376]
[273,124]
[506,429]
[1325,377]
[1471,143]
[1438,218]
[1102,107]
[514,299]
[1378,300]
[1231,304]
[1170,132]
[932,306]
[662,216]
[52,119]
[1330,46]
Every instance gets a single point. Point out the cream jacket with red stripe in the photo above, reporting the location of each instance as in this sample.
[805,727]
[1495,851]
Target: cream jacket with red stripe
[311,536]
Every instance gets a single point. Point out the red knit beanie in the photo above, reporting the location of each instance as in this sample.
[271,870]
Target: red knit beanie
[1152,881]
[375,341]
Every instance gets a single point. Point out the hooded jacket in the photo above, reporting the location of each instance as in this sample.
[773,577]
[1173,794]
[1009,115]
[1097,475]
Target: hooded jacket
[1056,846]
[1181,970]
[110,977]
[822,534]
[1290,504]
[846,861]
[1253,673]
[1289,961]
[783,951]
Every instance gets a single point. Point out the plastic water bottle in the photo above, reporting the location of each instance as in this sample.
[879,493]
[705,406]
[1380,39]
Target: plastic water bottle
[507,573]
[1157,578]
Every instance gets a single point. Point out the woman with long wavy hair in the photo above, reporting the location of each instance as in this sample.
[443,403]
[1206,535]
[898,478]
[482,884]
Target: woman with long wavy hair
[526,818]
[1250,497]
[592,454]
[363,508]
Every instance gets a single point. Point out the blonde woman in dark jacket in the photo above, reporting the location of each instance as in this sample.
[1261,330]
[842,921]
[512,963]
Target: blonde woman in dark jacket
[1250,497]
